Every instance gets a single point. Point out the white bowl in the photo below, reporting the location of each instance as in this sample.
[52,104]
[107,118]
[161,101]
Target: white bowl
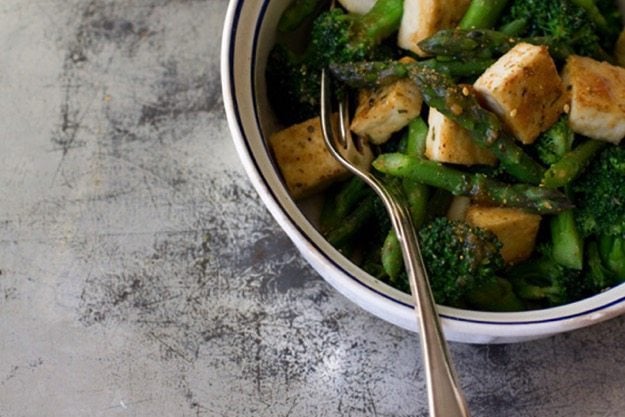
[247,38]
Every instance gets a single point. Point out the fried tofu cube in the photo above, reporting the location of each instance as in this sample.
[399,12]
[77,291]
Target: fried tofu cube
[515,228]
[448,142]
[597,98]
[524,89]
[423,18]
[385,110]
[306,164]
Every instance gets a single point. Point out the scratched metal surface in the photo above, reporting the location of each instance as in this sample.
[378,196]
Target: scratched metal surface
[141,276]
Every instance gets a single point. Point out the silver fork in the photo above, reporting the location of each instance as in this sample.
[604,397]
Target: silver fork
[445,397]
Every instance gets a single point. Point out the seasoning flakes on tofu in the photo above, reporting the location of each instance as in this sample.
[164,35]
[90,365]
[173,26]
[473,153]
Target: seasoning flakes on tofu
[524,89]
[304,160]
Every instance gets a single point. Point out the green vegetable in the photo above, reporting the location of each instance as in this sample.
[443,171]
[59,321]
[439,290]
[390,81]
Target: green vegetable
[338,36]
[340,201]
[568,244]
[599,194]
[298,12]
[571,164]
[347,230]
[552,144]
[459,258]
[579,24]
[543,282]
[612,252]
[458,69]
[293,77]
[598,276]
[416,196]
[483,13]
[495,295]
[595,228]
[480,187]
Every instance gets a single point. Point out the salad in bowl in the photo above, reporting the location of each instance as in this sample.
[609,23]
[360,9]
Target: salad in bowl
[499,121]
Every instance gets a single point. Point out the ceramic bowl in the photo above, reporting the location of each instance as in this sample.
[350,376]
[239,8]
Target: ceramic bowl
[247,38]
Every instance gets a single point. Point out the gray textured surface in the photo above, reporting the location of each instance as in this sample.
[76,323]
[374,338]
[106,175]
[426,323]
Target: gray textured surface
[141,276]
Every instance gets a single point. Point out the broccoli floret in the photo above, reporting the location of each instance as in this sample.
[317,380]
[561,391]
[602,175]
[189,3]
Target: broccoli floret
[459,258]
[345,37]
[556,276]
[555,142]
[293,85]
[597,275]
[599,194]
[577,24]
[543,282]
[293,79]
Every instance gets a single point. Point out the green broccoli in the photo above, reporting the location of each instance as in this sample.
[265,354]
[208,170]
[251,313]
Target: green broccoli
[293,85]
[599,194]
[552,144]
[580,24]
[338,36]
[459,258]
[463,262]
[293,78]
[543,282]
[558,275]
[597,275]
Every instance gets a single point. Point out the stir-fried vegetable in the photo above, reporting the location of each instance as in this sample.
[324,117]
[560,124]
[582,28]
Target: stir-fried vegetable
[502,129]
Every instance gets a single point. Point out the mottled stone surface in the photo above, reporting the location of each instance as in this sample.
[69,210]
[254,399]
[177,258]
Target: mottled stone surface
[141,275]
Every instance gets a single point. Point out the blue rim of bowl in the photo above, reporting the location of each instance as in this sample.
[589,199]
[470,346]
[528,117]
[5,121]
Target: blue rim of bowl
[228,84]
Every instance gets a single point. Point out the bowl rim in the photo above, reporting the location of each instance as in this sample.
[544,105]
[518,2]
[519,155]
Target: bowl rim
[367,292]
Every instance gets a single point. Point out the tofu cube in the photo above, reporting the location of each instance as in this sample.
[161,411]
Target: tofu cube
[448,142]
[423,18]
[306,164]
[383,111]
[515,228]
[524,89]
[597,98]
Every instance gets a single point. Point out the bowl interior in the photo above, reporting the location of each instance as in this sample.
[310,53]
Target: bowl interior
[249,34]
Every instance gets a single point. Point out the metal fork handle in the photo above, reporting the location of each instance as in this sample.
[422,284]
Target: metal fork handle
[445,397]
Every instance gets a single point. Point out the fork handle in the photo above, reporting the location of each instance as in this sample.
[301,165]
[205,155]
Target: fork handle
[445,396]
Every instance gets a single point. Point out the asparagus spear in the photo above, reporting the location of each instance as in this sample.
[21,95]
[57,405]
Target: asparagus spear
[456,68]
[416,195]
[347,229]
[572,164]
[478,186]
[567,242]
[483,13]
[297,12]
[338,205]
[457,102]
[469,44]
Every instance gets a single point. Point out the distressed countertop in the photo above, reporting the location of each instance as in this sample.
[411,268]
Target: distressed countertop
[140,275]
